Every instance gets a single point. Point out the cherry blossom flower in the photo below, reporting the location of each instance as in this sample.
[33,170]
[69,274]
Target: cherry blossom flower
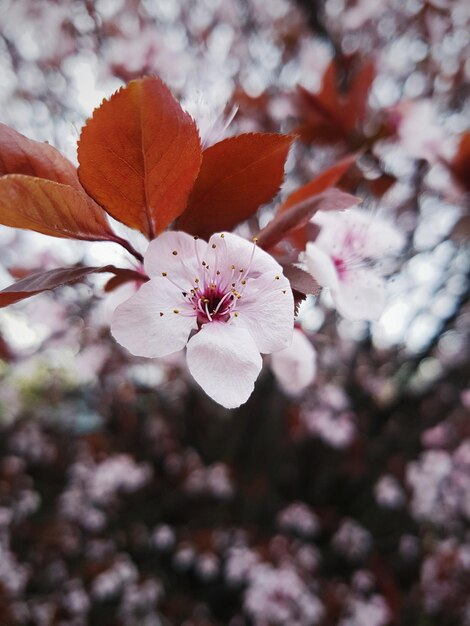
[338,260]
[280,596]
[419,132]
[295,367]
[227,300]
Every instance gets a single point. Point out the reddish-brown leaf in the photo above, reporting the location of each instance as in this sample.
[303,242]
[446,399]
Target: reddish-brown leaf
[300,214]
[139,156]
[237,176]
[52,209]
[460,166]
[327,178]
[301,281]
[20,155]
[335,113]
[125,276]
[45,281]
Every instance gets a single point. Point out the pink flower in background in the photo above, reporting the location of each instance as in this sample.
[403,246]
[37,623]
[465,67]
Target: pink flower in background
[227,300]
[419,132]
[338,260]
[295,367]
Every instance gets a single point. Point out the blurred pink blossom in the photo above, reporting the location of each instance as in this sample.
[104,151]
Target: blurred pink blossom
[295,367]
[338,260]
[278,596]
[419,132]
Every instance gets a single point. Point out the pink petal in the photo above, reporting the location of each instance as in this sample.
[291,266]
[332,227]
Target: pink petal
[147,325]
[321,266]
[266,309]
[295,367]
[367,234]
[160,256]
[224,360]
[242,253]
[361,296]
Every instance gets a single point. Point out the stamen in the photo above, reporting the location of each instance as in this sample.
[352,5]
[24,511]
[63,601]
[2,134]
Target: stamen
[251,258]
[222,300]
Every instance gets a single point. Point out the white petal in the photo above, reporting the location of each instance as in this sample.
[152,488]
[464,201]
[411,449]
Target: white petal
[361,296]
[240,252]
[138,325]
[321,266]
[266,309]
[224,360]
[159,256]
[295,367]
[357,231]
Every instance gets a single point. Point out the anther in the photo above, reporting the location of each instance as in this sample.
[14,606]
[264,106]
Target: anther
[161,314]
[222,235]
[196,237]
[277,277]
[255,239]
[217,273]
[174,253]
[164,274]
[176,311]
[214,246]
[235,314]
[243,282]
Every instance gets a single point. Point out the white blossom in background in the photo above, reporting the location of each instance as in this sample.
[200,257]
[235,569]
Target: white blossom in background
[372,611]
[226,300]
[295,367]
[352,540]
[279,596]
[419,132]
[212,121]
[341,257]
[239,563]
[299,518]
[440,486]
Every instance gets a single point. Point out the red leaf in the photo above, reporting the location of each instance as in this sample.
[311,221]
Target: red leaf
[327,178]
[301,281]
[300,214]
[20,155]
[139,156]
[52,209]
[334,113]
[237,176]
[460,166]
[125,276]
[45,281]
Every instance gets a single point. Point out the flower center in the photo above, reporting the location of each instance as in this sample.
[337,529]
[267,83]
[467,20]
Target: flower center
[212,303]
[341,266]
